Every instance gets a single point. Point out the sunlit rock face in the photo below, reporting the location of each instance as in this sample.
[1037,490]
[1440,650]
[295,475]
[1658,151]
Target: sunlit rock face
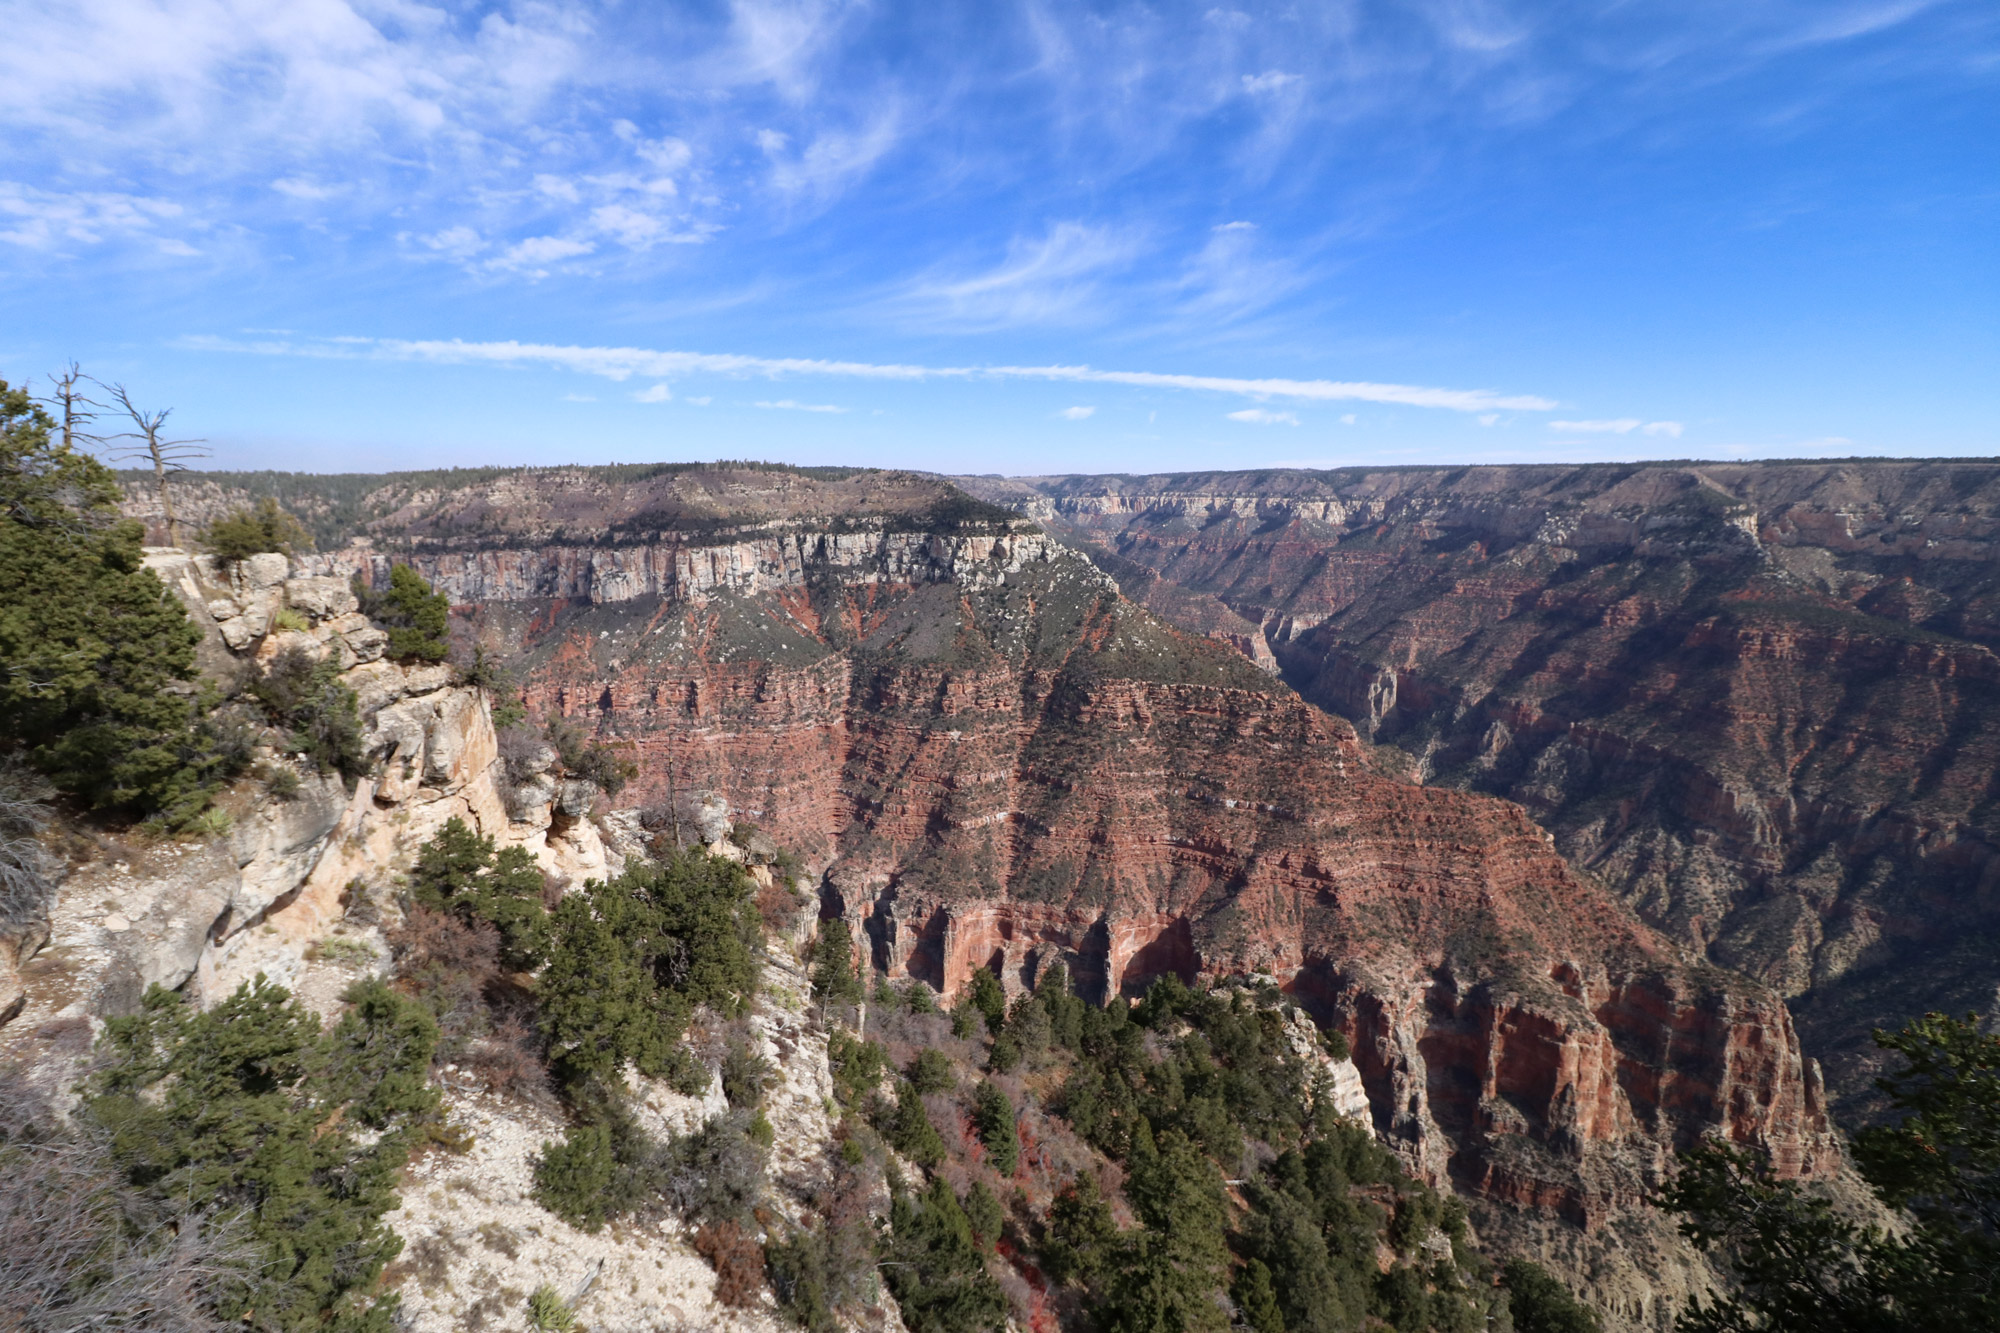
[1760,701]
[992,759]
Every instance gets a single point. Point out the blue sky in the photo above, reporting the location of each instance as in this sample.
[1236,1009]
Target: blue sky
[999,237]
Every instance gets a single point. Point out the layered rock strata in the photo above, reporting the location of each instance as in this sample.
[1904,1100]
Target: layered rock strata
[999,762]
[1761,701]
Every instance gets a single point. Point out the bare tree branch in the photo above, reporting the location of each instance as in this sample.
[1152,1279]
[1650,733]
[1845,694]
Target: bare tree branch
[74,409]
[166,456]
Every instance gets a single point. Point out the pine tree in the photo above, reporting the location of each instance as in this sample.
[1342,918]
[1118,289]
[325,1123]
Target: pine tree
[834,978]
[984,1214]
[983,992]
[252,1107]
[1175,1267]
[1256,1298]
[417,617]
[1082,1235]
[602,1007]
[935,1269]
[96,656]
[993,1114]
[911,1132]
[460,871]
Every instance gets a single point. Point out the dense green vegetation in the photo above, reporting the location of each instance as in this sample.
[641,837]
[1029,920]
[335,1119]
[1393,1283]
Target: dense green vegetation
[417,617]
[254,531]
[834,977]
[1179,1093]
[97,669]
[253,1109]
[303,695]
[1802,1266]
[629,962]
[461,872]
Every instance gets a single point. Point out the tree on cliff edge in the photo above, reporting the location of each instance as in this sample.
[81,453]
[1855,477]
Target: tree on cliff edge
[1801,1266]
[96,656]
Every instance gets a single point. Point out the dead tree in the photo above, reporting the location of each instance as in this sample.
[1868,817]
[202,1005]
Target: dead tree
[75,410]
[165,456]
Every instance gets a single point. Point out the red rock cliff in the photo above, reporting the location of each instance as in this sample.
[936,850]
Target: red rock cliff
[999,762]
[1761,701]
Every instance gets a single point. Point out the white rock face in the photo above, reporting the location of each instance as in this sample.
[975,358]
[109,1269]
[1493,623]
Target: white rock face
[1343,1080]
[277,843]
[322,598]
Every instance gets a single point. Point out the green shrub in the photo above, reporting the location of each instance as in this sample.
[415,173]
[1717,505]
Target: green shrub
[1800,1264]
[285,618]
[1005,1057]
[547,1311]
[589,760]
[983,993]
[857,1066]
[573,1179]
[1540,1304]
[96,656]
[910,1130]
[462,872]
[1082,1238]
[931,1071]
[984,1215]
[602,1006]
[252,1107]
[1257,1298]
[248,532]
[418,619]
[303,694]
[629,960]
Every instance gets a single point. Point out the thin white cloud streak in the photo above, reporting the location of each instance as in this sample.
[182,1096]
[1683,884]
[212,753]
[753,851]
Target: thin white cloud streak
[621,363]
[1618,426]
[787,405]
[1077,413]
[1257,416]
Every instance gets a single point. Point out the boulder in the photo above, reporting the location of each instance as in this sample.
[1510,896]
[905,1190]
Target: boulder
[575,797]
[322,597]
[711,817]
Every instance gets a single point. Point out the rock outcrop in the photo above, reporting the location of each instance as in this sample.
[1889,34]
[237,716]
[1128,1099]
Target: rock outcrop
[1758,700]
[279,875]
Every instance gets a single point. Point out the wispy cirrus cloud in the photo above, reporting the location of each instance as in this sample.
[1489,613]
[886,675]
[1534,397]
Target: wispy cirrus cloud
[1051,278]
[620,363]
[46,220]
[787,405]
[1619,426]
[1258,416]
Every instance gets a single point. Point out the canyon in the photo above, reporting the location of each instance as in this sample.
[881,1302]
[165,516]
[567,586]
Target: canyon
[1757,701]
[989,757]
